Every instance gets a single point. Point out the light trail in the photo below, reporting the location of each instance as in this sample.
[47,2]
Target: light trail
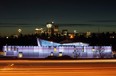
[59,61]
[8,67]
[63,68]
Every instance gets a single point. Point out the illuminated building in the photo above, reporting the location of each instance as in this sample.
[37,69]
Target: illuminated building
[65,32]
[55,28]
[48,48]
[49,28]
[39,30]
[88,34]
[52,28]
[75,32]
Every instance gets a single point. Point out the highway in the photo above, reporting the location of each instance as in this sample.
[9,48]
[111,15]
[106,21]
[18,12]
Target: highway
[58,67]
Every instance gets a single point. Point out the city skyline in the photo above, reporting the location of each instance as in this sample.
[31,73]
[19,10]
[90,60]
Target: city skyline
[83,13]
[80,28]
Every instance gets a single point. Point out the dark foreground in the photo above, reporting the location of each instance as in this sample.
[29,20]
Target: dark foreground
[58,68]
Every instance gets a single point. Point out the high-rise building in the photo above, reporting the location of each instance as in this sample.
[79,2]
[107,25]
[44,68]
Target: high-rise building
[49,28]
[65,32]
[52,28]
[56,30]
[88,34]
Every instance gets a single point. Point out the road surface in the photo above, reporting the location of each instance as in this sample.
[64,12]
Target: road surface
[58,67]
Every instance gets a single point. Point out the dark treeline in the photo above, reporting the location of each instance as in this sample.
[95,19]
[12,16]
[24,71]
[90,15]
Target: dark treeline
[97,39]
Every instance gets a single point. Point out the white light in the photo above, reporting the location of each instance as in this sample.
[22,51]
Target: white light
[20,55]
[7,37]
[19,30]
[93,50]
[49,25]
[52,22]
[75,31]
[51,42]
[60,54]
[36,29]
[51,54]
[41,28]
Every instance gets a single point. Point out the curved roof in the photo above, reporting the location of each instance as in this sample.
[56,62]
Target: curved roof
[50,43]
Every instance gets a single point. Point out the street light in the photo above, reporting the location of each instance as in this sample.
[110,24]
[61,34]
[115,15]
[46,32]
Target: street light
[7,37]
[19,30]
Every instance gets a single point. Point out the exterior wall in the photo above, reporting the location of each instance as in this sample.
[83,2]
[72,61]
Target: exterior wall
[72,51]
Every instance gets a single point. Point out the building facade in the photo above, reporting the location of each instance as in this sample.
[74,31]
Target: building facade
[48,48]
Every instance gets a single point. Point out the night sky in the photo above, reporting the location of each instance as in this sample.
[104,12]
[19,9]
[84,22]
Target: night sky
[83,13]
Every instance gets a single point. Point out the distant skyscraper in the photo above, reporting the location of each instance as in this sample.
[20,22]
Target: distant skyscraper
[65,32]
[52,28]
[49,28]
[56,30]
[88,34]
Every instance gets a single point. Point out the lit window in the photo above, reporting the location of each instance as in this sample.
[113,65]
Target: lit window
[20,55]
[51,54]
[93,49]
[5,53]
[60,54]
[55,49]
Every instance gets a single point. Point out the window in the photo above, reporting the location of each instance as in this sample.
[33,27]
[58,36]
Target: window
[5,53]
[55,49]
[20,55]
[60,54]
[51,54]
[93,49]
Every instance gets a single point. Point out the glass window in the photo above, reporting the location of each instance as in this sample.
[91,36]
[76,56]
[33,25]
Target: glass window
[51,54]
[60,54]
[20,55]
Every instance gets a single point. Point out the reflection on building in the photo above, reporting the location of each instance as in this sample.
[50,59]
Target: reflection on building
[48,48]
